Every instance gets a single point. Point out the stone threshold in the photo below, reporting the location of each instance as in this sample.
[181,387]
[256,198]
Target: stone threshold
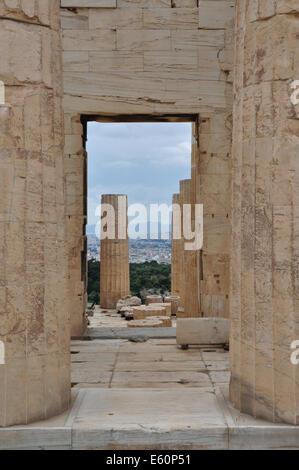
[153,419]
[127,333]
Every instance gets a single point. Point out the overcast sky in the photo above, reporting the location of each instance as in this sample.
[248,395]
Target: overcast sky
[144,161]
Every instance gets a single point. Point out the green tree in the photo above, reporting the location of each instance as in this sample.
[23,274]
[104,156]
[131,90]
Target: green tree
[93,288]
[149,276]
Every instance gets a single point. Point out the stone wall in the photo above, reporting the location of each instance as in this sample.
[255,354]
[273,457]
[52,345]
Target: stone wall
[34,321]
[154,58]
[145,59]
[265,256]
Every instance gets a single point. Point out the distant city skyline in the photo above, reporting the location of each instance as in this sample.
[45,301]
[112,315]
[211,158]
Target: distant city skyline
[146,161]
[145,231]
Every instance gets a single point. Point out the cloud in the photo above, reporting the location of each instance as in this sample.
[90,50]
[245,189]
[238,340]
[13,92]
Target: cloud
[144,160]
[119,164]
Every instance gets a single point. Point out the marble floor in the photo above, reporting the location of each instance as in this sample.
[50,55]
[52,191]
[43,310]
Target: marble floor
[149,395]
[155,363]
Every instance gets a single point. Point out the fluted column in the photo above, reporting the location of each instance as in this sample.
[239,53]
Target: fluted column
[265,224]
[185,190]
[114,275]
[34,309]
[175,252]
[189,260]
[191,257]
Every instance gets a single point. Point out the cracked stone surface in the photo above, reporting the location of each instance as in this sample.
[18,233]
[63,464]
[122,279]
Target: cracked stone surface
[137,397]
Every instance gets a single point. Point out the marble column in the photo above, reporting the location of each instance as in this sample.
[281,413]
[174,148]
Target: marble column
[34,309]
[175,251]
[264,308]
[189,271]
[115,275]
[185,191]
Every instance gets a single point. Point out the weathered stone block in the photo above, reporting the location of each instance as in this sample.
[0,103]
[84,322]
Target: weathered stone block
[142,312]
[153,299]
[89,3]
[175,303]
[104,39]
[202,331]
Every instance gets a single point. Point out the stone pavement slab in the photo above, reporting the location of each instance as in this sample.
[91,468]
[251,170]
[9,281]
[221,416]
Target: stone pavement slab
[178,408]
[150,356]
[164,366]
[144,418]
[140,379]
[125,333]
[90,372]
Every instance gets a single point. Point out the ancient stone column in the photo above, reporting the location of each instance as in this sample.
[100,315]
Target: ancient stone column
[185,188]
[115,275]
[34,309]
[191,257]
[265,225]
[189,264]
[175,253]
[75,159]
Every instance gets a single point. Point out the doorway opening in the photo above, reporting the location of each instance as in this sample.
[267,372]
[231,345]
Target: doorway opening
[144,159]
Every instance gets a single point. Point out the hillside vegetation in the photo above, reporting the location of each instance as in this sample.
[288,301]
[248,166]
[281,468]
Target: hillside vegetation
[150,277]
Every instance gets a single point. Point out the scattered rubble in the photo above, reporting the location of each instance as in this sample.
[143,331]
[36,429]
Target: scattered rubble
[127,302]
[146,323]
[142,312]
[175,303]
[153,299]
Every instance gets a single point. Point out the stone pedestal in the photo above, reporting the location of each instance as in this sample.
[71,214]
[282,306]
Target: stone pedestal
[202,331]
[115,275]
[265,225]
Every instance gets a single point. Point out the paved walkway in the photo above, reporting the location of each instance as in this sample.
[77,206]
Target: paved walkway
[107,319]
[156,363]
[149,395]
